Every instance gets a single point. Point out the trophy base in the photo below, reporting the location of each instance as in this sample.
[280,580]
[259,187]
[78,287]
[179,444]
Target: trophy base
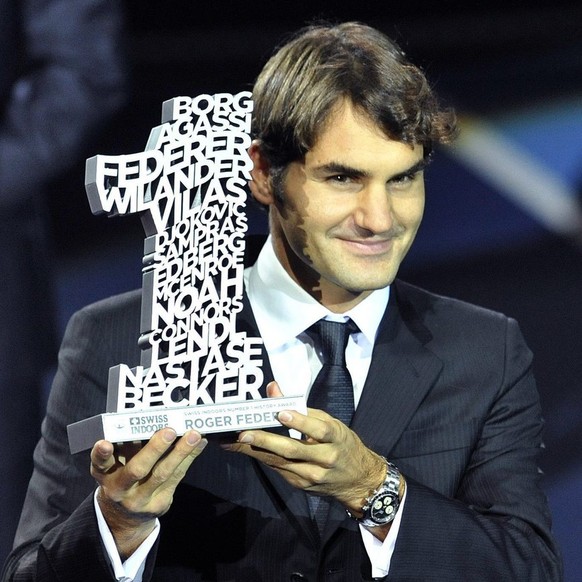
[139,425]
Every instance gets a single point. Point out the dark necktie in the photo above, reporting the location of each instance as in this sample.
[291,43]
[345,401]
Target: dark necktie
[332,390]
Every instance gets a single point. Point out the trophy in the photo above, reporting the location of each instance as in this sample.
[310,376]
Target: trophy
[196,370]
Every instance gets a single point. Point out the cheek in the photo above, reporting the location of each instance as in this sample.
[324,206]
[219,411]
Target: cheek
[409,210]
[418,213]
[296,230]
[309,238]
[317,219]
[330,212]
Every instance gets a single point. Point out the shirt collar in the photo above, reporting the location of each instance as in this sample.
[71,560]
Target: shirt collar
[283,309]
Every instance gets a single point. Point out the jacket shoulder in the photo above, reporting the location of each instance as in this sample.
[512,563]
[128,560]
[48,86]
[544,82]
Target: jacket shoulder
[430,305]
[108,329]
[445,323]
[113,306]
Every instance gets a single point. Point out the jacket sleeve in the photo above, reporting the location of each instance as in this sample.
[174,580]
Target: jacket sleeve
[496,526]
[70,79]
[58,537]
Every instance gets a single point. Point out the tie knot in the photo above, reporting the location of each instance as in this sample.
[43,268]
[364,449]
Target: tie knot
[333,339]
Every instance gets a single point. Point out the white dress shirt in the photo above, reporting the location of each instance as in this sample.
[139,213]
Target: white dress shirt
[283,311]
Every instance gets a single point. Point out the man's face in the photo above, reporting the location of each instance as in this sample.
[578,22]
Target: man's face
[349,212]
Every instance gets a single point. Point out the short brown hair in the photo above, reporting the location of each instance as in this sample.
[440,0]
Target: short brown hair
[302,82]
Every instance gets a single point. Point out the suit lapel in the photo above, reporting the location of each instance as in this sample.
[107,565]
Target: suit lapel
[401,373]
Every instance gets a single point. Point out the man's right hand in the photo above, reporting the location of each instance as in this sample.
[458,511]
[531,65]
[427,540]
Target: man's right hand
[137,484]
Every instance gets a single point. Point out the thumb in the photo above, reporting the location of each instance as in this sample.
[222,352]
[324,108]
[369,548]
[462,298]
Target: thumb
[102,459]
[273,390]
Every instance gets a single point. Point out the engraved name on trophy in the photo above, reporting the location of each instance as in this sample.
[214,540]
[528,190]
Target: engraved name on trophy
[196,370]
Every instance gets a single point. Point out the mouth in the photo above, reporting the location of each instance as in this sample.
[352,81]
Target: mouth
[369,247]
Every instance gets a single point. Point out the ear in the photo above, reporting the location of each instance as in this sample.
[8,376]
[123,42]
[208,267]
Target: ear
[260,184]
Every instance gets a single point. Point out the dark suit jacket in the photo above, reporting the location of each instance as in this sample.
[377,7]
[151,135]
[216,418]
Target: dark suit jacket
[450,398]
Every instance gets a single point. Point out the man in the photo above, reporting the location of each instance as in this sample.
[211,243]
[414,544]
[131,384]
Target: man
[434,479]
[61,77]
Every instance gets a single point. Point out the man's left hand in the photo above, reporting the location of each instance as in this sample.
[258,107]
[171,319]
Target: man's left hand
[332,460]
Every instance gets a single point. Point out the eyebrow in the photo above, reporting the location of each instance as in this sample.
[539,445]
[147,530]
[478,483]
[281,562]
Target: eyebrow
[414,169]
[339,168]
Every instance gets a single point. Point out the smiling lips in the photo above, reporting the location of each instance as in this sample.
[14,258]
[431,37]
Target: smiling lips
[369,246]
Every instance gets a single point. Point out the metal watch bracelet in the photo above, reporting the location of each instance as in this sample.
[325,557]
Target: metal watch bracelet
[381,506]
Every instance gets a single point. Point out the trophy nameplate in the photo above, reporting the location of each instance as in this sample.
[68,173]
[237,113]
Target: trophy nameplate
[197,371]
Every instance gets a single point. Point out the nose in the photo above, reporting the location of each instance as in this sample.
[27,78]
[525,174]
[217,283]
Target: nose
[374,210]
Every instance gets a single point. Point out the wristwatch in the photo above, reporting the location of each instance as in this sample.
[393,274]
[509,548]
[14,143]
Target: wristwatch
[381,506]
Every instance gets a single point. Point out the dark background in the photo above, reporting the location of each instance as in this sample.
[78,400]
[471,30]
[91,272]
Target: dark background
[492,61]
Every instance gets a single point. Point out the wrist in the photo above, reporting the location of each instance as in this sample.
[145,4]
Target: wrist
[371,478]
[381,505]
[128,529]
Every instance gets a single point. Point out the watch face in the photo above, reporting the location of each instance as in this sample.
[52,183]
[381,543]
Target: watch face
[384,507]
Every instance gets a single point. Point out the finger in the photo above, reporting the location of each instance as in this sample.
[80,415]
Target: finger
[141,464]
[305,476]
[272,449]
[126,451]
[101,453]
[102,458]
[310,475]
[300,475]
[152,494]
[172,467]
[316,426]
[185,459]
[273,390]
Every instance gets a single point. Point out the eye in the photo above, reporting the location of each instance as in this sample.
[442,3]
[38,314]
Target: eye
[343,182]
[339,179]
[403,180]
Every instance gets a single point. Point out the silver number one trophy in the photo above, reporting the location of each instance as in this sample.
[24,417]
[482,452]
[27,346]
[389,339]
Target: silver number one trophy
[196,370]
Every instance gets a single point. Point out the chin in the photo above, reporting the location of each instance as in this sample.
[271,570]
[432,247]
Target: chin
[357,287]
[375,277]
